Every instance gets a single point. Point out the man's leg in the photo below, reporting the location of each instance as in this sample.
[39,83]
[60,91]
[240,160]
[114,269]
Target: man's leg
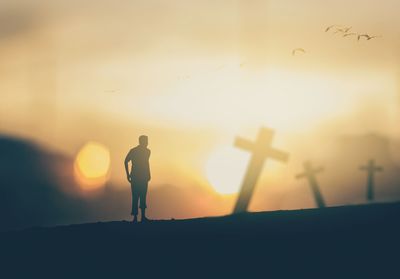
[135,200]
[143,197]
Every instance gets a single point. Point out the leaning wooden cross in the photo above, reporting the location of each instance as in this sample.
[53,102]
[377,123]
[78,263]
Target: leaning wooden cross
[309,173]
[371,168]
[261,150]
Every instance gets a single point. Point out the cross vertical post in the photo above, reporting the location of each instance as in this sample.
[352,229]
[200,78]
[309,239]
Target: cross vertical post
[261,150]
[309,173]
[371,168]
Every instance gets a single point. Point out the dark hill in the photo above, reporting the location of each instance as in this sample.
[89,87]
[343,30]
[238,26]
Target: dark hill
[341,242]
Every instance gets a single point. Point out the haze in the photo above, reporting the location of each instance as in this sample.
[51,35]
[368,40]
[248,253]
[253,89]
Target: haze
[192,75]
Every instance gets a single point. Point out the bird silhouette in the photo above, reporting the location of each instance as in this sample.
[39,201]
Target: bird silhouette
[339,30]
[372,37]
[349,34]
[368,37]
[343,30]
[347,29]
[330,27]
[297,50]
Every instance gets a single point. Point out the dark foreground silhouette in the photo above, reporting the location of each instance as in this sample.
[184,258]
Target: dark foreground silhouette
[139,176]
[342,242]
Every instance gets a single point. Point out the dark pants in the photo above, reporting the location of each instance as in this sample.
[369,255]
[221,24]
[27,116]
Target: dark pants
[139,193]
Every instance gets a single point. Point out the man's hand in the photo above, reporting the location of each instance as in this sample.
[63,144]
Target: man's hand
[129,177]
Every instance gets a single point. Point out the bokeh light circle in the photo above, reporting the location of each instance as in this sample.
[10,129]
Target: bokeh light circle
[92,166]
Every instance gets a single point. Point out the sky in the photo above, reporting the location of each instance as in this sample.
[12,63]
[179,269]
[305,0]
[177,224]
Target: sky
[193,75]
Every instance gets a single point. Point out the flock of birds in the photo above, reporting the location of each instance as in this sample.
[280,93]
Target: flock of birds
[334,29]
[344,31]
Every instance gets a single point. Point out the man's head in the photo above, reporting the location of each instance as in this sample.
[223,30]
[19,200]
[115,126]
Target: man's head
[143,141]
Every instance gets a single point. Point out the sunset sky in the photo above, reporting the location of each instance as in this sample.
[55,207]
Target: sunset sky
[193,75]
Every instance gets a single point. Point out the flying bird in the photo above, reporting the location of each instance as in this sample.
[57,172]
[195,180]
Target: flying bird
[347,29]
[372,37]
[344,30]
[339,30]
[297,50]
[350,34]
[330,27]
[368,37]
[360,36]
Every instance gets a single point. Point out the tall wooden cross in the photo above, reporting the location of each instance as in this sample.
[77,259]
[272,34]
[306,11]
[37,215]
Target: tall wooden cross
[309,173]
[261,150]
[371,168]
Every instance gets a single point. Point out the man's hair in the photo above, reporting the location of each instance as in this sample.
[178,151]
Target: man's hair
[143,139]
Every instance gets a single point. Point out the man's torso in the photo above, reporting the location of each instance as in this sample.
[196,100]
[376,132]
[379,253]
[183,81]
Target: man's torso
[139,157]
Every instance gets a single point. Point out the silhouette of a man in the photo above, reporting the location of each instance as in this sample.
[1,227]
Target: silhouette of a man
[139,176]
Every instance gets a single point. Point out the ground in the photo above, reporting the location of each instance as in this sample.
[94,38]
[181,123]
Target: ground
[340,242]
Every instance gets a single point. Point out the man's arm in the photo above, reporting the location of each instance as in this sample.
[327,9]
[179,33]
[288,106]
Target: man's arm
[149,166]
[127,159]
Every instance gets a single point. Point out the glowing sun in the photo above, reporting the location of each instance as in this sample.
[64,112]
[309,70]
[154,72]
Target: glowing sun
[225,169]
[92,165]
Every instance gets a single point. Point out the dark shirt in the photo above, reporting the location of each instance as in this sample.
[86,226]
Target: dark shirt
[139,156]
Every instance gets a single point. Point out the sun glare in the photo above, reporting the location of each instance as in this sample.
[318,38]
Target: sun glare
[225,169]
[282,99]
[92,166]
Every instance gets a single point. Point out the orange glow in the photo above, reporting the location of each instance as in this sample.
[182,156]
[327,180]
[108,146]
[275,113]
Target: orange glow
[225,169]
[194,83]
[92,165]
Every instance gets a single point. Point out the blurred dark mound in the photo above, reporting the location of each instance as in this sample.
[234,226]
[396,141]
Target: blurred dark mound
[37,188]
[29,192]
